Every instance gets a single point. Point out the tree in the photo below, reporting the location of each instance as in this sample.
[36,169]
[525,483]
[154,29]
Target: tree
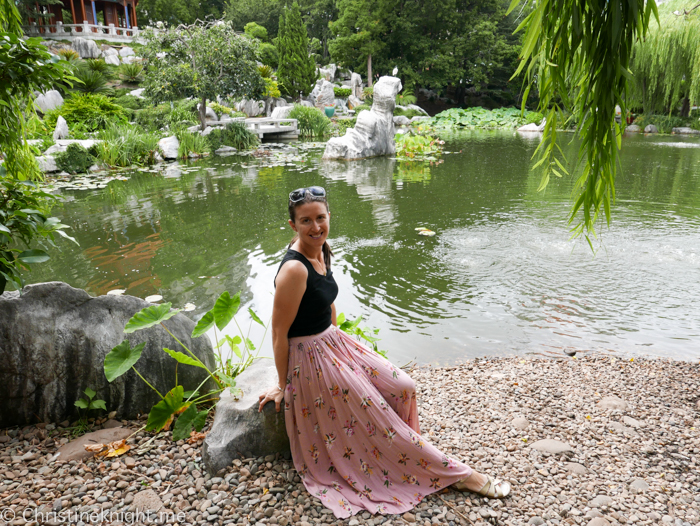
[27,67]
[263,12]
[202,60]
[666,65]
[296,72]
[578,54]
[174,12]
[359,33]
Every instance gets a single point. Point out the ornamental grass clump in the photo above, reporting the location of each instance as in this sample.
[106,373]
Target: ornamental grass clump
[311,122]
[124,145]
[191,143]
[235,134]
[90,81]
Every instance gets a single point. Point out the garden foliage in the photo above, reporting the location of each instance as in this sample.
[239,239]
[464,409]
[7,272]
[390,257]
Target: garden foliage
[234,134]
[76,159]
[296,72]
[91,110]
[124,145]
[480,118]
[311,122]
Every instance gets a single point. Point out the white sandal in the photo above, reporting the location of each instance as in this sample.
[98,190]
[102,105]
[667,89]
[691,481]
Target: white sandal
[494,488]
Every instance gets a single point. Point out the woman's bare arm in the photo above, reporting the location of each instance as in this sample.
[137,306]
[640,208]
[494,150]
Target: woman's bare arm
[291,285]
[333,317]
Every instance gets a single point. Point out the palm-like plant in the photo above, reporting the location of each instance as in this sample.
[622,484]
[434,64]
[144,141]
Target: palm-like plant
[265,71]
[405,98]
[69,55]
[90,81]
[131,72]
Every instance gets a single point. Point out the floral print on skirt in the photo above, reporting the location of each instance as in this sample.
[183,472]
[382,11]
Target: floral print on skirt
[352,421]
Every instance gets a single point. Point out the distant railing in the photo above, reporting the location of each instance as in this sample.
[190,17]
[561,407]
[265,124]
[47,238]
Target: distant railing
[59,30]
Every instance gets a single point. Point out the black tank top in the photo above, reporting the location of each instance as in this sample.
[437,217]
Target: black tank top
[314,314]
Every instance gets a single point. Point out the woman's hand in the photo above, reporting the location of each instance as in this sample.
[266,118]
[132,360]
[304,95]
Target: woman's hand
[272,395]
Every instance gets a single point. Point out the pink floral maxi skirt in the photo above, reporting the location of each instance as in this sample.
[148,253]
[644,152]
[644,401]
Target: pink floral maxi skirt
[352,421]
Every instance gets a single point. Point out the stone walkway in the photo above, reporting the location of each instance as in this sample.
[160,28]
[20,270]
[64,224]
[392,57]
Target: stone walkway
[590,441]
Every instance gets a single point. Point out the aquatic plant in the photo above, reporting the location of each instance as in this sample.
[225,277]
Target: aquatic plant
[191,143]
[418,146]
[480,118]
[234,134]
[311,122]
[124,145]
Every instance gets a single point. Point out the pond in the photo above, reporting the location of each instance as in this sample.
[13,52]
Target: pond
[500,277]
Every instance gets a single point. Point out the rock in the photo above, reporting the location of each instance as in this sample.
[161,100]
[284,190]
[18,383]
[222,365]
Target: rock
[61,130]
[47,163]
[633,128]
[252,108]
[326,96]
[353,102]
[224,150]
[147,500]
[168,147]
[75,449]
[48,101]
[600,501]
[520,423]
[532,127]
[131,60]
[418,108]
[328,73]
[619,428]
[401,120]
[239,429]
[356,85]
[138,93]
[206,131]
[112,60]
[306,103]
[598,521]
[109,52]
[374,132]
[639,485]
[271,104]
[631,422]
[86,48]
[282,112]
[225,117]
[53,341]
[612,403]
[555,447]
[574,467]
[650,128]
[111,423]
[536,521]
[685,131]
[209,113]
[126,51]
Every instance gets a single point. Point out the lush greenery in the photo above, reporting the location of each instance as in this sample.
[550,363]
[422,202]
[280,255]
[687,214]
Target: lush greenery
[27,67]
[90,111]
[666,64]
[480,118]
[342,93]
[578,55]
[174,12]
[177,403]
[201,60]
[76,159]
[311,122]
[418,144]
[234,134]
[124,145]
[296,72]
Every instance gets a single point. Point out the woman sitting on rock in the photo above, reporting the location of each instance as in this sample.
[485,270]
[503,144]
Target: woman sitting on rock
[351,416]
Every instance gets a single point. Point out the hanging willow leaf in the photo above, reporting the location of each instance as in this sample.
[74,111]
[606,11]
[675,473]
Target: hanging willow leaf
[578,54]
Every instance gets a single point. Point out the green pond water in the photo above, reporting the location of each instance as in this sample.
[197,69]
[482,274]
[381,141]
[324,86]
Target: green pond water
[500,277]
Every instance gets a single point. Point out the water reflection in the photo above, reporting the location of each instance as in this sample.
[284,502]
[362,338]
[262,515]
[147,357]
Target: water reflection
[501,275]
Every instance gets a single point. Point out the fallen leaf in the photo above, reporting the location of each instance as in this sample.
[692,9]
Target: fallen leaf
[189,307]
[94,447]
[154,299]
[116,448]
[196,437]
[116,292]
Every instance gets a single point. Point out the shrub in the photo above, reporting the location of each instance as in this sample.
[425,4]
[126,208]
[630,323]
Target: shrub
[310,121]
[220,108]
[368,94]
[342,126]
[268,55]
[153,117]
[342,93]
[407,113]
[190,143]
[69,55]
[90,81]
[663,123]
[76,159]
[362,107]
[235,134]
[265,71]
[99,65]
[124,145]
[405,98]
[130,102]
[534,117]
[255,31]
[131,72]
[271,88]
[90,111]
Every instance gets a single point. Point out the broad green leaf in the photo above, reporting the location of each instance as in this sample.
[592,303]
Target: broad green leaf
[82,404]
[163,412]
[99,404]
[200,420]
[33,256]
[340,319]
[183,426]
[149,317]
[3,228]
[255,316]
[249,344]
[90,393]
[183,358]
[225,309]
[121,358]
[237,350]
[204,324]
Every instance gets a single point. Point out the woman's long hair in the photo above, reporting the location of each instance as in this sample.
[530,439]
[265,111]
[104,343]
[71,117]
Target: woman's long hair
[308,198]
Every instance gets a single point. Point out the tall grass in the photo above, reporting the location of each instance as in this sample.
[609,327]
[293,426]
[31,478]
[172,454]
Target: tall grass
[124,145]
[310,121]
[190,142]
[235,134]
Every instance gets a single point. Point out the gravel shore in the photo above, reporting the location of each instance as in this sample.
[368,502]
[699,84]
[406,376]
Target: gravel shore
[621,446]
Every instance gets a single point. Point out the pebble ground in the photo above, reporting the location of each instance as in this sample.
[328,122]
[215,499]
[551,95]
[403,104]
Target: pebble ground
[631,454]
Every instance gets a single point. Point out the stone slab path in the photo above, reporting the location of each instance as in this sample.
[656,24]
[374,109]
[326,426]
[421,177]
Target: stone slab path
[591,441]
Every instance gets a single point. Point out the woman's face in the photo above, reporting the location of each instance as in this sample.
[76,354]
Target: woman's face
[312,223]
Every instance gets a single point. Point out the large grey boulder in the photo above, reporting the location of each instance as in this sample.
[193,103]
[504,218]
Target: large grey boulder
[168,147]
[112,60]
[685,131]
[252,108]
[239,429]
[131,59]
[53,341]
[650,128]
[48,101]
[86,48]
[633,128]
[271,104]
[126,51]
[209,113]
[138,93]
[532,127]
[109,52]
[47,164]
[356,85]
[315,91]
[401,120]
[328,73]
[353,101]
[417,108]
[374,132]
[282,112]
[61,130]
[326,95]
[61,145]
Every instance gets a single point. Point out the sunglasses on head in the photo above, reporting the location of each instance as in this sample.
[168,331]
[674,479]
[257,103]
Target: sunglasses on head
[300,193]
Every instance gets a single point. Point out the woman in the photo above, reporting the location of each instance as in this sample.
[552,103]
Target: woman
[351,416]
